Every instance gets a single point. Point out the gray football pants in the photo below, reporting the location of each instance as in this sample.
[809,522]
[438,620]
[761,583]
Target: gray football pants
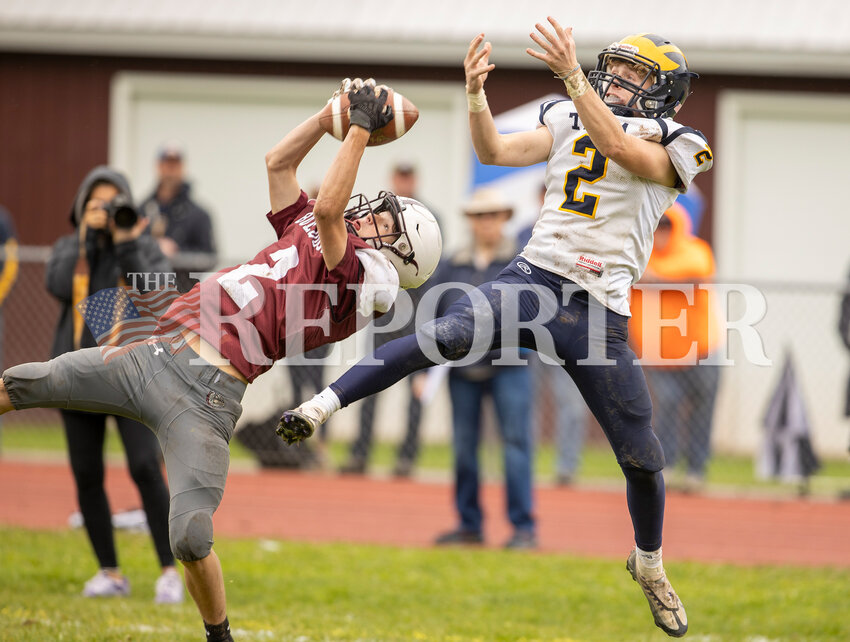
[191,406]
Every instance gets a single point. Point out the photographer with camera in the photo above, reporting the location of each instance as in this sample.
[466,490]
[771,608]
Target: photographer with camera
[107,245]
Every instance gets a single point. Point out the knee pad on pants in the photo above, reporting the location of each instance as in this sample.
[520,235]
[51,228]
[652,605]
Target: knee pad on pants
[453,334]
[644,481]
[191,535]
[38,385]
[641,451]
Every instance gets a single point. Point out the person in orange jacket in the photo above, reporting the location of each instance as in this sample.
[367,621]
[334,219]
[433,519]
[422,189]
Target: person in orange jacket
[683,390]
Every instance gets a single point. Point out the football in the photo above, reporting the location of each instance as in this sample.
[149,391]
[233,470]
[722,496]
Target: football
[334,118]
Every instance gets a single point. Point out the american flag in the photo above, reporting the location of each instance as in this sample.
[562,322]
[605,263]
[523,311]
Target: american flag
[118,317]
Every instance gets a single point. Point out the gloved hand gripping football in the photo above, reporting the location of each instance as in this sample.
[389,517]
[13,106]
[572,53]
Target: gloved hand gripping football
[368,107]
[385,113]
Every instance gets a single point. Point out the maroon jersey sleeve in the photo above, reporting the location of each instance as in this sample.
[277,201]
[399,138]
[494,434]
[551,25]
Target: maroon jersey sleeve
[349,271]
[282,219]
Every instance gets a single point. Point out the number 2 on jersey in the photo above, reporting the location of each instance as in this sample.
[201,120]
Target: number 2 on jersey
[586,204]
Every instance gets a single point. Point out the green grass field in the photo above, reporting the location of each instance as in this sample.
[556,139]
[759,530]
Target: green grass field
[315,593]
[310,593]
[725,472]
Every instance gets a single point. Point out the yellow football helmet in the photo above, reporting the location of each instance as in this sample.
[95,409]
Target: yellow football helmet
[664,63]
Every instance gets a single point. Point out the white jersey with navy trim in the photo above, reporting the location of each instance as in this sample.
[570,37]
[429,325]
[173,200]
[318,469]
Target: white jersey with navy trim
[597,220]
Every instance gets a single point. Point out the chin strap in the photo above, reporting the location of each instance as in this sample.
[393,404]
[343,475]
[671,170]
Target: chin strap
[620,110]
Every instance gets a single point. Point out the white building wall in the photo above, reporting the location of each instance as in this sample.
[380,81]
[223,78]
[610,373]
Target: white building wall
[781,223]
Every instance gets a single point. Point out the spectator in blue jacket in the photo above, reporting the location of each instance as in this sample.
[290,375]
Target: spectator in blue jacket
[568,411]
[508,386]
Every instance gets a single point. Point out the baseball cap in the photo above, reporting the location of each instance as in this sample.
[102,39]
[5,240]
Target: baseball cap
[404,167]
[170,151]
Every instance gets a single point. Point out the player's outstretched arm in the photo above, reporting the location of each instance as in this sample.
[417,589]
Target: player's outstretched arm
[492,148]
[283,160]
[641,157]
[368,111]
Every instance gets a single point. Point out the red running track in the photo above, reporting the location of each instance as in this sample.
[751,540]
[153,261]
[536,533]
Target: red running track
[576,520]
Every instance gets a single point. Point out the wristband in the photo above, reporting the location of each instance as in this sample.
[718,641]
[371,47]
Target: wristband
[569,73]
[477,102]
[576,84]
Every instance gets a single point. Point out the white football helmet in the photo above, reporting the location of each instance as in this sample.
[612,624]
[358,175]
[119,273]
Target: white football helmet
[415,248]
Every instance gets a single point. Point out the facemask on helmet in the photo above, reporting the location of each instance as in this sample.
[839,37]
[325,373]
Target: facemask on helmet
[415,245]
[655,58]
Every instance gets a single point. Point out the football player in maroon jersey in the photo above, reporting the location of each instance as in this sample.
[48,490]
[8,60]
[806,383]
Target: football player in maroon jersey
[329,267]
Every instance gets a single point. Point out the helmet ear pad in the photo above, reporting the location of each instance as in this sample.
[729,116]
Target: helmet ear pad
[666,98]
[416,252]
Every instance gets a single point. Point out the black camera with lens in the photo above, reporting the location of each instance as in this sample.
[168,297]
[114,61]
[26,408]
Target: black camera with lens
[122,211]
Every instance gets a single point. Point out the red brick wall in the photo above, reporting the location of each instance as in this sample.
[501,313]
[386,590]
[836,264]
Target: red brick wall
[54,117]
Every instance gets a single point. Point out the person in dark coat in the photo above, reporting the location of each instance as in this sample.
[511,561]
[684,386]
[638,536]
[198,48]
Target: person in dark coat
[102,254]
[183,228]
[509,387]
[404,181]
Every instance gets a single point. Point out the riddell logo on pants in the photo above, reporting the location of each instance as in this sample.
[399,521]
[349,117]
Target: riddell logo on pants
[589,263]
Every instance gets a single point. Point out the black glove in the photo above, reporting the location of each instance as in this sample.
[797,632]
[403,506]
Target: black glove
[368,110]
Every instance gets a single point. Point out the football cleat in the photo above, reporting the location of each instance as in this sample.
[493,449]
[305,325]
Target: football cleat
[296,426]
[666,607]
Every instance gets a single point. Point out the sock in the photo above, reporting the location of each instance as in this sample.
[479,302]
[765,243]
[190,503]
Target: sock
[218,632]
[649,560]
[326,402]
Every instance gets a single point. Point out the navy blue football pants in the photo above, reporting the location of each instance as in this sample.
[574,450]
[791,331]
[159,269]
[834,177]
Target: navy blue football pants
[527,307]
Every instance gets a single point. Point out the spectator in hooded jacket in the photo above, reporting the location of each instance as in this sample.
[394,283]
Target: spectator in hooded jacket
[99,254]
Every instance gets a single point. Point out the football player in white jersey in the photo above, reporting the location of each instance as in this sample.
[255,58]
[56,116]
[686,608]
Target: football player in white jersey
[615,162]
